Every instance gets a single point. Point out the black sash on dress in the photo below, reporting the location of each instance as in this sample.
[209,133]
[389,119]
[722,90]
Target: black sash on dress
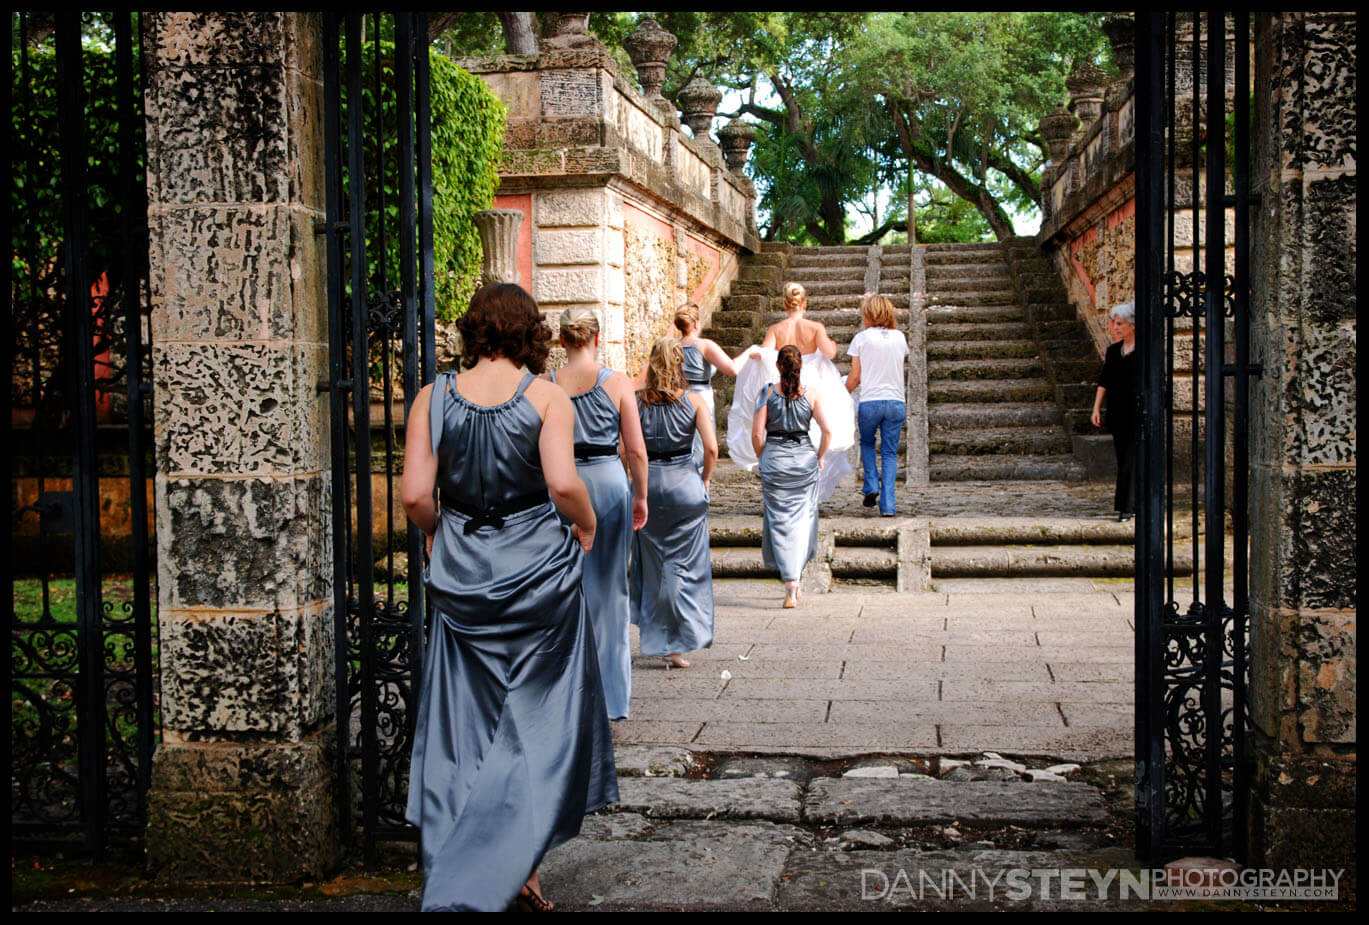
[494,516]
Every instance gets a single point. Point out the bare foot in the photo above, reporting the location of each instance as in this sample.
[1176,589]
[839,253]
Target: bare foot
[676,660]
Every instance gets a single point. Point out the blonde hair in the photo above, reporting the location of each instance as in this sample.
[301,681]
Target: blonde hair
[794,296]
[578,326]
[686,316]
[878,311]
[665,370]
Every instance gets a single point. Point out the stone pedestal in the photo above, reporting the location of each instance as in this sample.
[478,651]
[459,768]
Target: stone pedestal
[499,244]
[243,784]
[1303,457]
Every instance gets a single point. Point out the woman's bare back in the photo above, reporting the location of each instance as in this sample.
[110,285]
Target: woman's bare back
[802,333]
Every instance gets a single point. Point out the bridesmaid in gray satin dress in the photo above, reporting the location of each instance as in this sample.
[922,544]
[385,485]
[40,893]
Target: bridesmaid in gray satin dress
[511,742]
[789,468]
[604,408]
[672,578]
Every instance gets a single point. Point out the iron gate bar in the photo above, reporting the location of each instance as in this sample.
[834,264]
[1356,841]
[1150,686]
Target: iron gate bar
[1240,415]
[405,51]
[337,407]
[423,99]
[1214,468]
[84,474]
[361,423]
[135,230]
[1150,572]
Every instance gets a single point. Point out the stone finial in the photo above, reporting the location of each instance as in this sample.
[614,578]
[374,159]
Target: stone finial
[1086,85]
[572,31]
[1056,128]
[699,100]
[1120,29]
[649,46]
[736,138]
[499,244]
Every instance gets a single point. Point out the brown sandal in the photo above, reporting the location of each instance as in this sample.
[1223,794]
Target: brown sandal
[528,901]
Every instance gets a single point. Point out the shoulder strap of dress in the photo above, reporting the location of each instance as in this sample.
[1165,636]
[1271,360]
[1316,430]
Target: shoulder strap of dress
[604,373]
[552,373]
[523,386]
[437,406]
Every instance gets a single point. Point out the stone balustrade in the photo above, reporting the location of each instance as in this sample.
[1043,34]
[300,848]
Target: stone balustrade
[625,212]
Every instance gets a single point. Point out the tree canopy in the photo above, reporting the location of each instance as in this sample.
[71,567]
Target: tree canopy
[846,103]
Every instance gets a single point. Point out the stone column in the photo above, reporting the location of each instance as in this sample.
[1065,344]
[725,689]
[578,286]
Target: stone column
[243,784]
[1302,441]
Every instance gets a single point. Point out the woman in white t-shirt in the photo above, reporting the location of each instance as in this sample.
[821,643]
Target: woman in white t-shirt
[877,355]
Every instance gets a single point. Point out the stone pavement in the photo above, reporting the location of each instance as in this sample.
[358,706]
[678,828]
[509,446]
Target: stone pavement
[857,672]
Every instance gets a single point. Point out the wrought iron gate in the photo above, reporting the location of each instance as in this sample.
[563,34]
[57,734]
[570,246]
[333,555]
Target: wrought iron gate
[1191,307]
[380,303]
[83,718]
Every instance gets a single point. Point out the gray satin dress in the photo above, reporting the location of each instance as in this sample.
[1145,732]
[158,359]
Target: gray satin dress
[605,582]
[789,485]
[698,374]
[672,580]
[511,744]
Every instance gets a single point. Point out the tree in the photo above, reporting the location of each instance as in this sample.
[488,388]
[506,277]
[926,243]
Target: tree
[964,91]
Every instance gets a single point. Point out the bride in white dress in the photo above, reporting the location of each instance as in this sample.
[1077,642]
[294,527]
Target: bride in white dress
[819,375]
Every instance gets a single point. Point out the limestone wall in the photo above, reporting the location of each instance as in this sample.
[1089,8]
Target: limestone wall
[624,211]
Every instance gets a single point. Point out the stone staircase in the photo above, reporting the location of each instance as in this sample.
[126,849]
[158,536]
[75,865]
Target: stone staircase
[1010,373]
[992,410]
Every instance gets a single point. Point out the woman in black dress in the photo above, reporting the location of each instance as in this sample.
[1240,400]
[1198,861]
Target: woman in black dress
[1117,383]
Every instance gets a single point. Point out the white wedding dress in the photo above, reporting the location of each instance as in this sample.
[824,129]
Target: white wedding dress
[821,378]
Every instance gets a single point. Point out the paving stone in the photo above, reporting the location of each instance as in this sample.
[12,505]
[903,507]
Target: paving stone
[818,738]
[920,712]
[767,667]
[966,689]
[962,879]
[731,710]
[652,761]
[911,686]
[728,864]
[1099,655]
[833,801]
[638,732]
[606,826]
[1077,742]
[664,797]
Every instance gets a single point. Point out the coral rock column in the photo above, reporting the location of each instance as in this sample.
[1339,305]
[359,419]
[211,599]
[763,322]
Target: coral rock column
[243,784]
[1304,580]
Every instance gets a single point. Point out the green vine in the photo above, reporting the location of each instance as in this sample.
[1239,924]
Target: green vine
[467,122]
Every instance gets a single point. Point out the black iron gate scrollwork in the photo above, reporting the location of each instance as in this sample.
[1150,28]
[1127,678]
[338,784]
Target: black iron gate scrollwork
[379,231]
[1192,294]
[83,716]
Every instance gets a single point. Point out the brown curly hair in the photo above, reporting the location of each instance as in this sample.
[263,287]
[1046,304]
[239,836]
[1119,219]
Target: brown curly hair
[665,370]
[789,363]
[503,321]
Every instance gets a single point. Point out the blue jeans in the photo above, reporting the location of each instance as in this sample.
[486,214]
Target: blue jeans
[886,417]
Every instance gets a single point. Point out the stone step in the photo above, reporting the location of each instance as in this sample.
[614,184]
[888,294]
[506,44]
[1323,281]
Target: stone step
[750,303]
[1074,371]
[727,317]
[827,249]
[972,248]
[853,287]
[732,336]
[1092,561]
[998,368]
[1029,531]
[739,562]
[996,414]
[938,284]
[1075,395]
[769,275]
[826,302]
[979,349]
[977,297]
[988,391]
[972,314]
[957,331]
[1052,311]
[829,260]
[1001,441]
[853,275]
[864,562]
[994,271]
[949,468]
